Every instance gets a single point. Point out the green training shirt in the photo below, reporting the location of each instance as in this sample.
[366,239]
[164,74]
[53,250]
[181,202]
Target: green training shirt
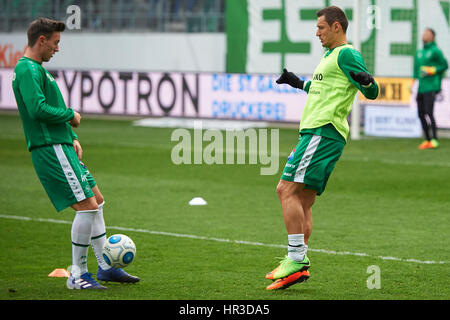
[331,93]
[429,56]
[41,106]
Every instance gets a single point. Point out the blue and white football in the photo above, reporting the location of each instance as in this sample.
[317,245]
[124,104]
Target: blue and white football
[119,251]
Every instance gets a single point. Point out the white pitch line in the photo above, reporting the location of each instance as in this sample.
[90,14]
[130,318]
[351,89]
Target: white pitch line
[385,161]
[396,162]
[191,236]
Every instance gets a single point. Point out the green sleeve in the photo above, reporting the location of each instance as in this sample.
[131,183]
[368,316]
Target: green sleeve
[441,64]
[34,99]
[306,86]
[351,60]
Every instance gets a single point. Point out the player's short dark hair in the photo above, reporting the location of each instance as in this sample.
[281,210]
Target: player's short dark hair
[43,27]
[432,31]
[333,14]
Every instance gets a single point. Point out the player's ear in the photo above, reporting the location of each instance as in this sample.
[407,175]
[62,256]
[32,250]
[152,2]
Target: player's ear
[336,26]
[41,39]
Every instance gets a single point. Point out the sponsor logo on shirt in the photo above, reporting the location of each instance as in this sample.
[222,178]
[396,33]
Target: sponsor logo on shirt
[318,77]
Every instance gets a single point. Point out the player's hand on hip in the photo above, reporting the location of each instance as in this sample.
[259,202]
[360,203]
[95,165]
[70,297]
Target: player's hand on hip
[75,122]
[291,79]
[362,78]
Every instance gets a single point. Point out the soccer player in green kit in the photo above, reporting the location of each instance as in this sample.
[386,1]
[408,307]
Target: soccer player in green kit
[429,67]
[323,134]
[56,154]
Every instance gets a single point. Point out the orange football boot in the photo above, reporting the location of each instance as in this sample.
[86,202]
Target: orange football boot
[425,145]
[290,280]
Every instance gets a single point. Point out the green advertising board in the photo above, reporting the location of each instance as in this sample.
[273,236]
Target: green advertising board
[263,36]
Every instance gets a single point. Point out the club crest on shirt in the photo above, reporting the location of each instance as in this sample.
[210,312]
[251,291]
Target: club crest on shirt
[292,154]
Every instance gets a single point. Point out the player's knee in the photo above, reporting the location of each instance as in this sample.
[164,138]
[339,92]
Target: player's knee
[98,195]
[99,198]
[286,189]
[280,190]
[92,205]
[86,204]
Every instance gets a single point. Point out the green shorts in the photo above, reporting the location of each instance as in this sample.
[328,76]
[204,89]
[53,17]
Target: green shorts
[312,161]
[65,178]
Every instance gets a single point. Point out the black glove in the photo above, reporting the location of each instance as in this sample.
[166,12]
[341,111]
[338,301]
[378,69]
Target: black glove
[362,78]
[291,79]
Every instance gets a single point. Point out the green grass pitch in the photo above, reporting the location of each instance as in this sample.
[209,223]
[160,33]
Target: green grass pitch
[386,204]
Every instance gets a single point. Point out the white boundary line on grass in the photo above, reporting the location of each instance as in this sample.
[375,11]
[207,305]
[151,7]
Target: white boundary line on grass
[190,236]
[396,162]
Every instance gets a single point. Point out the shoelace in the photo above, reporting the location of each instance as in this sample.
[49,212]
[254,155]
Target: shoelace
[89,278]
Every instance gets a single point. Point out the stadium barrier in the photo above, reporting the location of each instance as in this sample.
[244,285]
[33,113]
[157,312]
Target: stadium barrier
[205,95]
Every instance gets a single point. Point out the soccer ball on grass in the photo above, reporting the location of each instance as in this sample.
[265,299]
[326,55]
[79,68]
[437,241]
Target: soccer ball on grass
[119,251]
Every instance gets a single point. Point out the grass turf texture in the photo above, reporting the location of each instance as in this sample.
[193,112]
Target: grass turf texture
[385,198]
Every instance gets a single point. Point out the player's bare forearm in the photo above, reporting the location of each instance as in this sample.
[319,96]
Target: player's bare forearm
[78,149]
